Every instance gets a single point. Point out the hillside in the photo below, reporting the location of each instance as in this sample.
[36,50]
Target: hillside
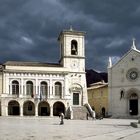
[93,76]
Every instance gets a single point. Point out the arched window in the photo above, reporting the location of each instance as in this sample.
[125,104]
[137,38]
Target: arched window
[58,89]
[29,88]
[44,88]
[74,47]
[15,87]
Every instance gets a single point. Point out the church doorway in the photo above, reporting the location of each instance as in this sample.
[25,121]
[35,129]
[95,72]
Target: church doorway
[43,109]
[13,108]
[58,107]
[133,104]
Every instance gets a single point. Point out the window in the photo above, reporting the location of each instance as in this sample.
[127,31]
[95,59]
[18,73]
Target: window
[58,89]
[74,48]
[29,88]
[44,88]
[75,98]
[15,88]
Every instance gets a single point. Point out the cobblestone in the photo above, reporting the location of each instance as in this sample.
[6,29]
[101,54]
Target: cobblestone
[42,128]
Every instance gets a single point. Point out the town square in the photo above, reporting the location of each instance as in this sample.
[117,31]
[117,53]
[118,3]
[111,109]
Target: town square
[42,128]
[69,70]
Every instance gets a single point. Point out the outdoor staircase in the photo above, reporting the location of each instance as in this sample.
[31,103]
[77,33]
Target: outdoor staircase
[80,112]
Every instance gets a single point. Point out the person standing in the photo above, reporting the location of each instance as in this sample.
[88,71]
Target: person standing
[93,115]
[61,118]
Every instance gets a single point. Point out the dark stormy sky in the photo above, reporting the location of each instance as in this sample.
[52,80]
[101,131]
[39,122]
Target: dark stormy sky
[29,28]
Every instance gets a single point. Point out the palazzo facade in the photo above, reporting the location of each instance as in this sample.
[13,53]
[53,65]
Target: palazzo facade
[124,85]
[46,89]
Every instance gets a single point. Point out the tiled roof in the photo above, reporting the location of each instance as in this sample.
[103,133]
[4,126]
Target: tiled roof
[38,64]
[98,85]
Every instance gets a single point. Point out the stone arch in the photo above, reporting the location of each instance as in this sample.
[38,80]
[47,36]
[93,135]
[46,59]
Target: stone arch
[13,107]
[43,108]
[131,91]
[58,107]
[28,108]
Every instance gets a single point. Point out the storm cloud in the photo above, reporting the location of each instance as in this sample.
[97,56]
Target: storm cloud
[29,28]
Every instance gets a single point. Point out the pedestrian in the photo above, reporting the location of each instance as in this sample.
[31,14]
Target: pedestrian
[61,118]
[93,115]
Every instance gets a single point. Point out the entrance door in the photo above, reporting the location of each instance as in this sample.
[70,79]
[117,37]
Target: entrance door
[75,98]
[133,106]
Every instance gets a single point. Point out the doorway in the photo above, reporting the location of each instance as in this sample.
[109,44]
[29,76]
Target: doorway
[133,107]
[133,104]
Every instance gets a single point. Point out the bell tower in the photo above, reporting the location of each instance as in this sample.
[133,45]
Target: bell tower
[72,49]
[72,45]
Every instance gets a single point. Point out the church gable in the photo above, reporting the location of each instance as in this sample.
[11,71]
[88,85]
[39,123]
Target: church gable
[130,59]
[121,71]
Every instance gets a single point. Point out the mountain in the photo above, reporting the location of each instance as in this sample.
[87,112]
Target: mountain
[93,76]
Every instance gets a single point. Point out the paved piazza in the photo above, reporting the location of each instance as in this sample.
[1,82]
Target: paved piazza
[41,128]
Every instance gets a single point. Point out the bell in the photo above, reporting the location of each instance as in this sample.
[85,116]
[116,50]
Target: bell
[73,48]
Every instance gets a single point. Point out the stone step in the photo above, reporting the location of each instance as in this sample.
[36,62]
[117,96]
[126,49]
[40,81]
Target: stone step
[80,113]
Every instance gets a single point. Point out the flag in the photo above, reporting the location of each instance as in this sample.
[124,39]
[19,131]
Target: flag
[40,95]
[32,95]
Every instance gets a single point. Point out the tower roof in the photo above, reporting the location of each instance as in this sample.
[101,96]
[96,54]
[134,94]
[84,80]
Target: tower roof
[71,31]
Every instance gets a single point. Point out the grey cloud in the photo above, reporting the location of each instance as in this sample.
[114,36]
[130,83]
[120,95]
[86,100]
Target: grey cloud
[29,28]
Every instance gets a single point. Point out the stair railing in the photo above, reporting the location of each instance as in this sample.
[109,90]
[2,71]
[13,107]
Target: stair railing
[71,113]
[87,105]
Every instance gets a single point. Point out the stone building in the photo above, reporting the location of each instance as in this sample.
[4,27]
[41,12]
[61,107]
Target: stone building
[46,89]
[124,85]
[98,98]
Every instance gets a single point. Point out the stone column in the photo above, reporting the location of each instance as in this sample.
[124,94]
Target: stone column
[6,110]
[51,111]
[21,88]
[36,110]
[21,110]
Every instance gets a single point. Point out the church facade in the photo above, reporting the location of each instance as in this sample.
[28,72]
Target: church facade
[124,85]
[46,89]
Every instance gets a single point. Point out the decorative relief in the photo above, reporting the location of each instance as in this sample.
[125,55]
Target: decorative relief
[74,64]
[132,74]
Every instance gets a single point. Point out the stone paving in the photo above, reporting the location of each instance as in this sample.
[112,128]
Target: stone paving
[42,128]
